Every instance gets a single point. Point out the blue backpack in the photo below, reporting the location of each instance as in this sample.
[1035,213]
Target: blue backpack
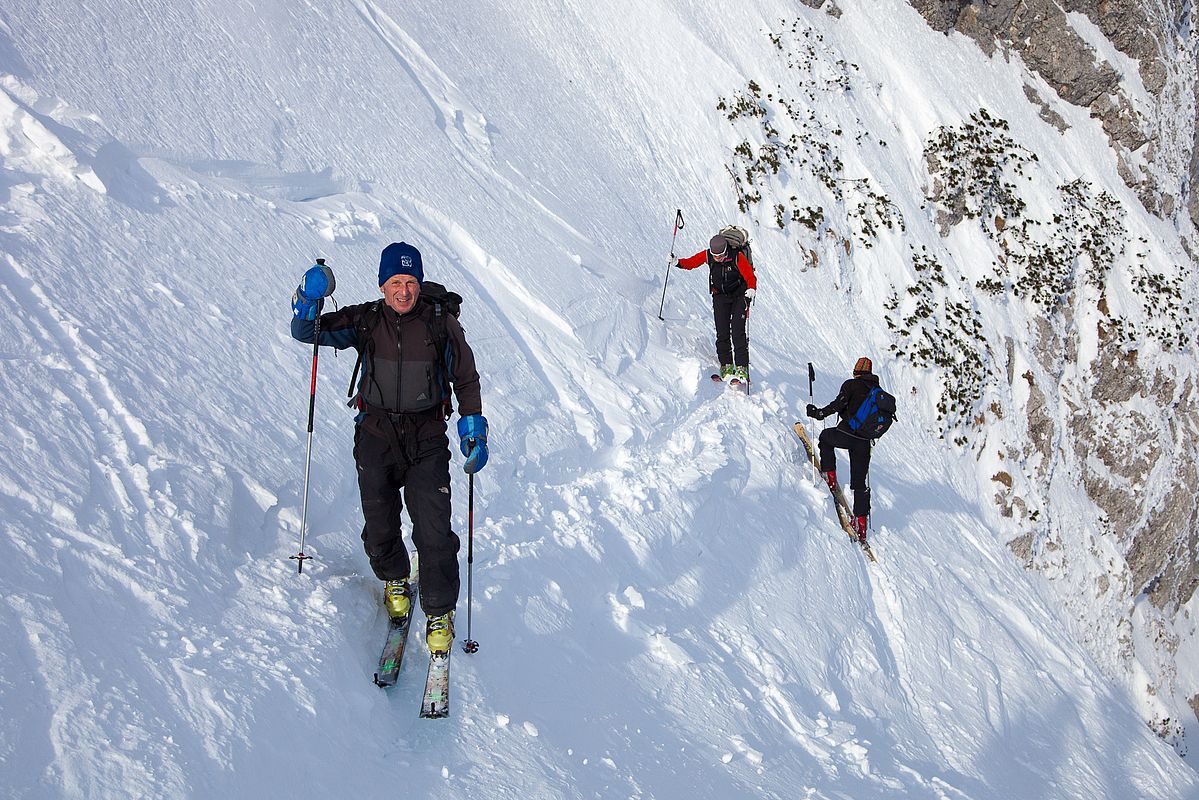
[874,416]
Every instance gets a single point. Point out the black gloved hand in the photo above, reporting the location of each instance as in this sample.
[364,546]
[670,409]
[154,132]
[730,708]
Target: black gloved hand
[814,412]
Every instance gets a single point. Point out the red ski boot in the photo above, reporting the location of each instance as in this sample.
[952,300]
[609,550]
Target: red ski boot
[859,527]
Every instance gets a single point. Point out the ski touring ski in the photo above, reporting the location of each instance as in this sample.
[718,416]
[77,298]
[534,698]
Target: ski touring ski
[843,513]
[393,652]
[436,702]
[397,637]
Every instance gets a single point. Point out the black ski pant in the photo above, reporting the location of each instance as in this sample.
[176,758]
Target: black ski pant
[859,464]
[732,347]
[386,480]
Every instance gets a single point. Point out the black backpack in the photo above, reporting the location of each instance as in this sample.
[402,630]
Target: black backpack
[874,416]
[438,295]
[444,302]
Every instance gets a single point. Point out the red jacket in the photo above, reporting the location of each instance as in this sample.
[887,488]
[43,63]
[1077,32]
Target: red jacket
[743,266]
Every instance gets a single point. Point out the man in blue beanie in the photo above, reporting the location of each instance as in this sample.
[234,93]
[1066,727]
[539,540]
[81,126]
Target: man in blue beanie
[411,350]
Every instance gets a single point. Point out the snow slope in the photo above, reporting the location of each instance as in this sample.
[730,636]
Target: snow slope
[664,603]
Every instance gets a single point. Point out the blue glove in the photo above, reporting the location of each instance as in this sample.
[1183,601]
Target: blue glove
[308,299]
[472,432]
[303,308]
[317,283]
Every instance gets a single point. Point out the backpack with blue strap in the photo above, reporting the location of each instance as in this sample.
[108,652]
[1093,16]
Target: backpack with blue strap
[874,416]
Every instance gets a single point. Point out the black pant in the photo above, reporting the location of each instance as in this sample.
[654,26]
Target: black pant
[425,481]
[859,464]
[729,313]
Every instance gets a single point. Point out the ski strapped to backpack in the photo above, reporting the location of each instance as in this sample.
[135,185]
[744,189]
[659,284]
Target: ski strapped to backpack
[444,302]
[874,416]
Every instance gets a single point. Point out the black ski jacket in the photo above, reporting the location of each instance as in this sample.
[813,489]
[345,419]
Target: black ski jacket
[400,384]
[846,403]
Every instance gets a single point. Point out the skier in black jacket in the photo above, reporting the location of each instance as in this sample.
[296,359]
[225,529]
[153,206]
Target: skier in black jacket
[852,393]
[401,449]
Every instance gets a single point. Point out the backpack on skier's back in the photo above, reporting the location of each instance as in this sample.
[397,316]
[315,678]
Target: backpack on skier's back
[738,239]
[874,416]
[435,293]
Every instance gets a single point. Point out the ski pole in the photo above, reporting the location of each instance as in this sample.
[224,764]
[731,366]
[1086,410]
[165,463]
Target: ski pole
[748,382]
[678,226]
[316,338]
[812,399]
[869,517]
[470,645]
[811,380]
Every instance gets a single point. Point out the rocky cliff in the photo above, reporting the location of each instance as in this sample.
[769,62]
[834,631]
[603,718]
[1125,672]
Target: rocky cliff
[1113,416]
[1143,91]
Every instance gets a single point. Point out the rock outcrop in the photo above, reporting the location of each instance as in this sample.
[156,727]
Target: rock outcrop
[1123,427]
[1155,133]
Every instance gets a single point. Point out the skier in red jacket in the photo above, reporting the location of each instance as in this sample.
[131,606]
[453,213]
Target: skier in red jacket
[733,285]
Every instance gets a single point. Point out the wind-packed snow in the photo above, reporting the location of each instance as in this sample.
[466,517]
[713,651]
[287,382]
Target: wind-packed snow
[665,604]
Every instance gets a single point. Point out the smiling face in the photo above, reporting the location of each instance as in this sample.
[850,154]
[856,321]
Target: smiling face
[400,293]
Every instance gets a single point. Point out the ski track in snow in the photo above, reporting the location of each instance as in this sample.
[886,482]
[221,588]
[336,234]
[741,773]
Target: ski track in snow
[121,438]
[455,115]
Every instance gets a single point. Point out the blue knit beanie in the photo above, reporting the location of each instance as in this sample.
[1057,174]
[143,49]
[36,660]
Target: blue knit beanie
[400,258]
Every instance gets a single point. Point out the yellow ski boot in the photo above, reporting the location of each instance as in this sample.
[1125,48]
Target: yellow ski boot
[439,633]
[397,598]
